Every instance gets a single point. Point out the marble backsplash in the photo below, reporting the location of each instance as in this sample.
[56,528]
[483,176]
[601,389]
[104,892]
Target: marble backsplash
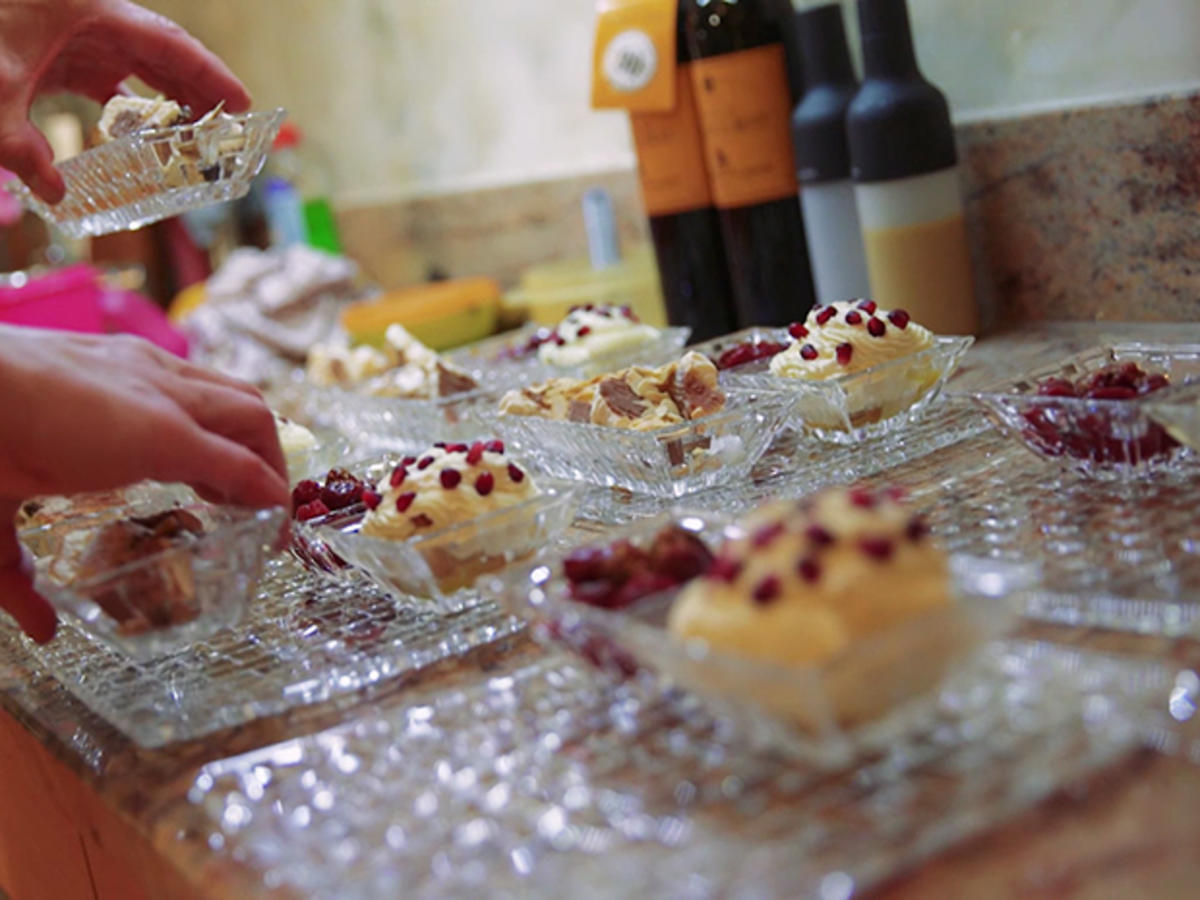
[1082,214]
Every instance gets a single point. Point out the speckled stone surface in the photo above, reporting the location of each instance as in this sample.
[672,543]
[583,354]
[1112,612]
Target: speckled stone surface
[1089,213]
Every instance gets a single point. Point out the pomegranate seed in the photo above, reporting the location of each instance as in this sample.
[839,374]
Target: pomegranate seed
[868,306]
[825,315]
[450,478]
[312,510]
[809,570]
[1056,387]
[588,307]
[425,463]
[494,446]
[408,461]
[628,313]
[724,569]
[456,448]
[877,548]
[844,352]
[439,445]
[767,534]
[853,317]
[475,454]
[584,331]
[876,328]
[768,590]
[808,351]
[404,501]
[560,342]
[398,476]
[421,520]
[916,528]
[862,497]
[818,535]
[485,483]
[797,330]
[1112,393]
[899,318]
[371,499]
[515,474]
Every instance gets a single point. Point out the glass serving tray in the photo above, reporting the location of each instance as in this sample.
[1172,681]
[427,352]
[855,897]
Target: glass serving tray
[549,774]
[304,640]
[137,180]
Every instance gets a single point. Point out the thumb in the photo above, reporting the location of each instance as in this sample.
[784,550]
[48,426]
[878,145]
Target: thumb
[25,151]
[17,596]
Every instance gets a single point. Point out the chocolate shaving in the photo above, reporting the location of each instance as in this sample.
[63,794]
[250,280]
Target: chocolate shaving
[622,399]
[579,411]
[451,382]
[694,396]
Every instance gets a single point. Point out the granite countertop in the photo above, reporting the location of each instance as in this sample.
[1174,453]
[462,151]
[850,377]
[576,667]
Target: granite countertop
[1127,829]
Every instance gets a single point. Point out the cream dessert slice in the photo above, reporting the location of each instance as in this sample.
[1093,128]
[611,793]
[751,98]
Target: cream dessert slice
[593,332]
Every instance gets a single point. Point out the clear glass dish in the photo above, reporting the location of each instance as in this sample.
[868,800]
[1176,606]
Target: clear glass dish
[492,360]
[1105,439]
[667,462]
[441,564]
[861,405]
[221,567]
[825,714]
[124,185]
[1178,410]
[333,450]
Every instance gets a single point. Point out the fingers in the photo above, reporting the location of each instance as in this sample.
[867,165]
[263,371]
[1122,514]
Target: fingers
[217,467]
[169,59]
[32,612]
[25,151]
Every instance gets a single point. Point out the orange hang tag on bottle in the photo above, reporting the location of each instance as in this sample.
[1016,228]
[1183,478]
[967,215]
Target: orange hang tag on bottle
[670,154]
[745,114]
[633,63]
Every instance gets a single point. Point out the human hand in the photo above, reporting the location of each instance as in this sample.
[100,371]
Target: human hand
[90,47]
[84,413]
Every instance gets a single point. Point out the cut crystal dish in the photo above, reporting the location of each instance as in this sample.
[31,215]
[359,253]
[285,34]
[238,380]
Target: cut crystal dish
[1178,410]
[855,407]
[218,572]
[668,462]
[824,714]
[1099,438]
[145,177]
[497,360]
[439,565]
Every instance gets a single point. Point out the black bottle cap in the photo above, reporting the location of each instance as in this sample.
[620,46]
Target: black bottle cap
[898,123]
[819,122]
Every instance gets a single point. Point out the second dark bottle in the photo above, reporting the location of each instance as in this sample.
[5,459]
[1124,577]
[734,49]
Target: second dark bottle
[740,77]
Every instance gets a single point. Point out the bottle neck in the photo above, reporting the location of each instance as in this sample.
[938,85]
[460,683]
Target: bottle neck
[823,47]
[887,40]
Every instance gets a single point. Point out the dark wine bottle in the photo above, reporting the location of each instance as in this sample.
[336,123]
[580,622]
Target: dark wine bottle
[684,226]
[743,99]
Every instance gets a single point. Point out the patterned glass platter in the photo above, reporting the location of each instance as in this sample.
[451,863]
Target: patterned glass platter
[1103,437]
[143,178]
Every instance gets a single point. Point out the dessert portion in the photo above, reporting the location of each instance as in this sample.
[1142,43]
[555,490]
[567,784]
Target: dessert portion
[636,398]
[589,332]
[447,485]
[153,596]
[296,441]
[403,367]
[339,489]
[844,338]
[811,578]
[123,116]
[1096,433]
[617,576]
[748,351]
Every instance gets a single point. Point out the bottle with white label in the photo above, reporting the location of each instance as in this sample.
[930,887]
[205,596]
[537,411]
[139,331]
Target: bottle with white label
[835,244]
[905,168]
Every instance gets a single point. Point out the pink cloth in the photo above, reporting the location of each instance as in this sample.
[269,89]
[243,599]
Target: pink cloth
[75,298]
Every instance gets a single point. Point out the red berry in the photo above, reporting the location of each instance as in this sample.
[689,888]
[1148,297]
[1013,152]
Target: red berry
[876,328]
[767,534]
[485,483]
[844,353]
[808,569]
[475,454]
[312,510]
[425,463]
[797,330]
[1056,387]
[1115,392]
[825,315]
[398,475]
[868,306]
[877,548]
[450,478]
[768,590]
[515,474]
[404,501]
[853,317]
[371,499]
[809,352]
[494,446]
[899,318]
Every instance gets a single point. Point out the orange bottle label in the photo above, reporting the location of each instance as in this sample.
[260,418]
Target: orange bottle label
[745,116]
[633,60]
[670,154]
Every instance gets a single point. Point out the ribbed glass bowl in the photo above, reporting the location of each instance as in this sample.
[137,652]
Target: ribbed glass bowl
[1103,439]
[124,185]
[861,405]
[439,565]
[223,568]
[668,462]
[492,360]
[825,714]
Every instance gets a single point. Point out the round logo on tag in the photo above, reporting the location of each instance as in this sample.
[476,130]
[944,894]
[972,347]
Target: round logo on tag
[630,60]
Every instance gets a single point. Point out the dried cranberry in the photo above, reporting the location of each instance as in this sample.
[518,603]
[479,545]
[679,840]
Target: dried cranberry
[748,352]
[876,328]
[305,492]
[1056,387]
[853,317]
[868,306]
[587,564]
[797,330]
[404,501]
[808,352]
[899,318]
[844,353]
[768,590]
[515,473]
[340,494]
[450,478]
[825,315]
[312,511]
[1115,392]
[641,584]
[679,554]
[485,483]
